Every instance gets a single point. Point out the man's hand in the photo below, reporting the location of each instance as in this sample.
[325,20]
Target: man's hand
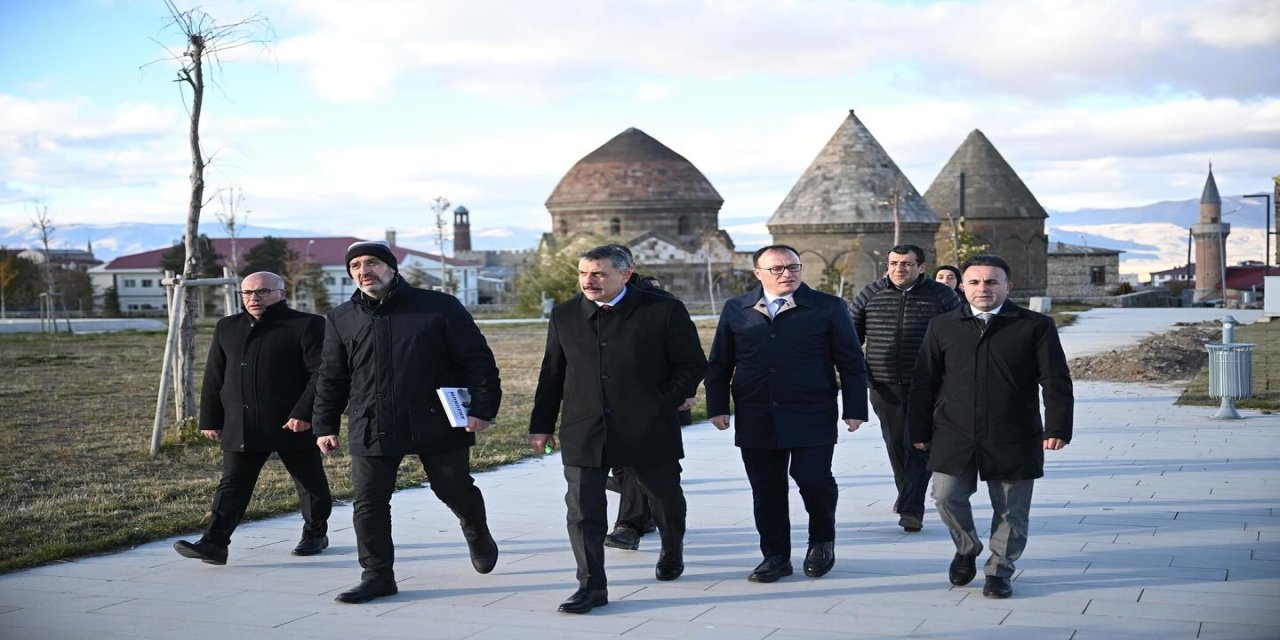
[688,404]
[923,446]
[476,425]
[721,422]
[853,423]
[541,441]
[212,434]
[1053,444]
[297,426]
[327,444]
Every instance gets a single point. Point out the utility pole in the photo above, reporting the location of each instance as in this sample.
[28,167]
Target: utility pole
[439,205]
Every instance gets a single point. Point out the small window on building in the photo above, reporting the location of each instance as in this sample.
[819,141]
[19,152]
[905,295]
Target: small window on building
[146,283]
[615,227]
[329,281]
[1097,275]
[564,226]
[130,283]
[682,226]
[133,307]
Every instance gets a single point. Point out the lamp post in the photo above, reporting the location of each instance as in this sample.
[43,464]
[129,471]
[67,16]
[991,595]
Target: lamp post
[1266,239]
[306,275]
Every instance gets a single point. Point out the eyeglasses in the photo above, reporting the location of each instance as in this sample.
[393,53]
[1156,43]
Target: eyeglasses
[777,271]
[259,293]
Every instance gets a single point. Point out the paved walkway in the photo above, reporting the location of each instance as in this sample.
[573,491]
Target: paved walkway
[1156,522]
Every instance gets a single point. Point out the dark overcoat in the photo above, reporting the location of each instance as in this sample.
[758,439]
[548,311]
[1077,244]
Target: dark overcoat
[616,378]
[384,360]
[259,374]
[781,371]
[976,393]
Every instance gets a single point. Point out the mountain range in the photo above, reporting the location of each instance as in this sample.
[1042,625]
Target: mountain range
[1153,237]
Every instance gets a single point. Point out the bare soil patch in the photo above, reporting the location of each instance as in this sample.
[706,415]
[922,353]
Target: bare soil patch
[1175,355]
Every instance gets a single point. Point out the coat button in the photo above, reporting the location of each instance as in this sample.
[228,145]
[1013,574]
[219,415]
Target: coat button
[604,376]
[773,404]
[244,364]
[773,335]
[604,343]
[772,370]
[246,406]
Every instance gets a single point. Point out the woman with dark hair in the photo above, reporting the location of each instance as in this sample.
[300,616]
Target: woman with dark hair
[950,276]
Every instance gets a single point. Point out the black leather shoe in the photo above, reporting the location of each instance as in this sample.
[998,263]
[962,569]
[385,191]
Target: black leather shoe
[623,537]
[771,569]
[310,546]
[963,569]
[997,587]
[201,550]
[368,590]
[670,566]
[584,600]
[484,550]
[820,558]
[911,522]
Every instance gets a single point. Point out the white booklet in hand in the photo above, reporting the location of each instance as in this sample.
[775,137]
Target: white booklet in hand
[456,402]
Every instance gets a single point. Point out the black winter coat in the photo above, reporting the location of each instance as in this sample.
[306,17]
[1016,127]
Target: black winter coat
[782,371]
[384,360]
[617,377]
[976,394]
[892,322]
[259,374]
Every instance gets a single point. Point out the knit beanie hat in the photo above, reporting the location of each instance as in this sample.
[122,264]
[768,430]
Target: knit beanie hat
[376,248]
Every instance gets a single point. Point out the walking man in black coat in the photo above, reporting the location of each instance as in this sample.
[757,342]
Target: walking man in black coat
[975,405]
[259,382]
[778,350]
[618,363]
[891,316]
[386,351]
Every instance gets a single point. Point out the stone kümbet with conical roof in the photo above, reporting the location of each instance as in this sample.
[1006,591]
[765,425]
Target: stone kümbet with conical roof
[997,208]
[840,213]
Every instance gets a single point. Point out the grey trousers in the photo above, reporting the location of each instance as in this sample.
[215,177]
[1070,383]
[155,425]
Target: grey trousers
[1011,509]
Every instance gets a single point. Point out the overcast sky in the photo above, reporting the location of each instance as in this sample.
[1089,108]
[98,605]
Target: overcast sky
[358,114]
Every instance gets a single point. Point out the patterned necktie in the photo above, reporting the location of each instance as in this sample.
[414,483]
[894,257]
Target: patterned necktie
[776,306]
[985,316]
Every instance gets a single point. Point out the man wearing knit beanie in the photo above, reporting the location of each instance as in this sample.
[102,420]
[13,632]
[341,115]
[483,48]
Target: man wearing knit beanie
[386,352]
[376,248]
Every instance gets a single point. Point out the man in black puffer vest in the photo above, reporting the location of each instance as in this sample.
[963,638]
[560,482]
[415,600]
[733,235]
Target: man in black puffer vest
[891,315]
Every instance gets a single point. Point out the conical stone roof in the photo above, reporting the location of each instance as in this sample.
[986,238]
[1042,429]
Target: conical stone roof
[632,169]
[851,181]
[992,188]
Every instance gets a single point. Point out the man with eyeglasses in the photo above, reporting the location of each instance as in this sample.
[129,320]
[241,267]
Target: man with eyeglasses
[259,384]
[891,315]
[777,352]
[386,352]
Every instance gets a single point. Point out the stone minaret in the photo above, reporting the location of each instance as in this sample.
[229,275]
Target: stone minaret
[1211,241]
[461,229]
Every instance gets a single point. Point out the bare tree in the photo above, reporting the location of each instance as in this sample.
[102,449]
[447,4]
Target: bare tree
[232,217]
[439,206]
[43,225]
[204,41]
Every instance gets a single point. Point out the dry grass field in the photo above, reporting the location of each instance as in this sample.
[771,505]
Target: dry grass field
[75,477]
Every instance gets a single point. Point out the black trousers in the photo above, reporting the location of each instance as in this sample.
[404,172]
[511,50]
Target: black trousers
[633,505]
[588,517]
[910,465]
[810,467]
[374,479]
[240,471]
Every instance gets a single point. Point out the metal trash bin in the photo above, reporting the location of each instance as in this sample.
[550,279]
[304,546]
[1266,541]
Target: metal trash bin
[1230,374]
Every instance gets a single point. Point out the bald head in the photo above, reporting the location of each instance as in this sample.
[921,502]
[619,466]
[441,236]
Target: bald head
[259,291]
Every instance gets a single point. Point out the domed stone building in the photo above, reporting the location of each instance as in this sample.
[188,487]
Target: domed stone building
[978,186]
[636,191]
[843,213]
